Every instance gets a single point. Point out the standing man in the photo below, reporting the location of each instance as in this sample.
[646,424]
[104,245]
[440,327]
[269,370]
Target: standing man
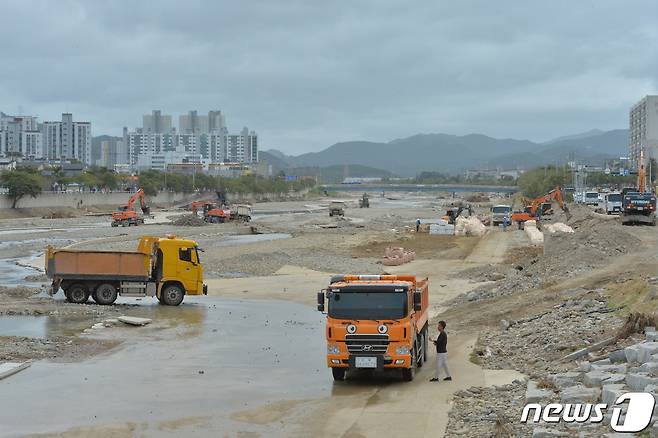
[417,225]
[441,353]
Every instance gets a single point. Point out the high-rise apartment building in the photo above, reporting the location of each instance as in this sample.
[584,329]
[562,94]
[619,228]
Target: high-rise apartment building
[157,123]
[643,129]
[67,140]
[20,136]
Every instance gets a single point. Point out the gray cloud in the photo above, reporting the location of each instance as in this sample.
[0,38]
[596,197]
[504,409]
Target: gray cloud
[306,74]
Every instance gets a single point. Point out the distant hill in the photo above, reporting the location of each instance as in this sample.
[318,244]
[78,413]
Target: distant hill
[454,154]
[590,133]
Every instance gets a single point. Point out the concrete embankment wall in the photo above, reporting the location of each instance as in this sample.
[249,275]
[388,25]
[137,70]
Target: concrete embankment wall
[85,200]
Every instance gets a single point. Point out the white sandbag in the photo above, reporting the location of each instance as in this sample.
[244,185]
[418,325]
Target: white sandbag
[442,230]
[536,236]
[562,228]
[469,226]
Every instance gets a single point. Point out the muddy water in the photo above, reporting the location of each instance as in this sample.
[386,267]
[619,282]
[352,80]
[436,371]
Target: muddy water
[241,356]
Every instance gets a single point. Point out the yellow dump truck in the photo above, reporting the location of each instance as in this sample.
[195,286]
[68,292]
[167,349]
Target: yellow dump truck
[167,268]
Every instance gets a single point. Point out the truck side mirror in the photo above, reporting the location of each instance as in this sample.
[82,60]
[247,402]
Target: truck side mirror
[321,301]
[418,301]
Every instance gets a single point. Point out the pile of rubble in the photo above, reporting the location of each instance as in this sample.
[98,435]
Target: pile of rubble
[565,255]
[488,412]
[395,256]
[632,369]
[537,344]
[188,220]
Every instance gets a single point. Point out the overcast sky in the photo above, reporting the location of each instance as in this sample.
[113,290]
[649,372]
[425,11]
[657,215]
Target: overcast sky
[307,74]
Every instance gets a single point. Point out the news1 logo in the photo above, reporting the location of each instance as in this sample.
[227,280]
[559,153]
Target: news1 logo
[638,413]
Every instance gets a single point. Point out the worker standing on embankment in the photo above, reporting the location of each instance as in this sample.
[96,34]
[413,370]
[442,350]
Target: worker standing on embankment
[441,343]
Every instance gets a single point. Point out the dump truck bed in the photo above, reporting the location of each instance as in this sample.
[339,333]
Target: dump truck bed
[120,265]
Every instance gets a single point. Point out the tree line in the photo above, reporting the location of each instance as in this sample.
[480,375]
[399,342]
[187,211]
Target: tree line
[29,182]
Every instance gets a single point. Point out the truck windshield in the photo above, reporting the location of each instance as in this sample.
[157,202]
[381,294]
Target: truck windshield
[614,197]
[591,195]
[503,209]
[360,304]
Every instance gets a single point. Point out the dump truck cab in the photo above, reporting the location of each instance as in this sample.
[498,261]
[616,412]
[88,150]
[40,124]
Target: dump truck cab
[180,263]
[376,322]
[337,208]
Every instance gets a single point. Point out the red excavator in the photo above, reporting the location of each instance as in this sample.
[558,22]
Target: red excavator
[211,211]
[126,215]
[540,205]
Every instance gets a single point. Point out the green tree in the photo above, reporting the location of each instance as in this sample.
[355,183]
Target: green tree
[541,180]
[21,183]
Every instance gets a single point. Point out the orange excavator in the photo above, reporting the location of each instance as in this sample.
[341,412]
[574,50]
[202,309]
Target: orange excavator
[211,211]
[126,215]
[536,207]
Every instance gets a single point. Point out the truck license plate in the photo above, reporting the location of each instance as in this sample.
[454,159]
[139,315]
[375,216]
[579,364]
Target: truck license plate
[640,208]
[366,362]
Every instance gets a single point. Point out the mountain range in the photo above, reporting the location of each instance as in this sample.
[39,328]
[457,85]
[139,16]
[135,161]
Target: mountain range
[453,154]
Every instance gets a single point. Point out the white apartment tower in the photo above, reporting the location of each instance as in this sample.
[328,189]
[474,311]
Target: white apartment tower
[67,140]
[20,136]
[643,128]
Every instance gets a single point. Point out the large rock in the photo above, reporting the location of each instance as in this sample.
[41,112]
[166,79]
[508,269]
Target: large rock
[617,368]
[533,394]
[639,381]
[631,353]
[597,378]
[646,350]
[580,394]
[540,432]
[650,368]
[562,380]
[617,356]
[611,392]
[652,336]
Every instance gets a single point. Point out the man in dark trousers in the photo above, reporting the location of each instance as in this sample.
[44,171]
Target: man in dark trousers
[441,353]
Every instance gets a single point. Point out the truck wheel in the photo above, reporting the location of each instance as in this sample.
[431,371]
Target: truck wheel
[105,294]
[77,294]
[409,373]
[338,373]
[425,344]
[172,295]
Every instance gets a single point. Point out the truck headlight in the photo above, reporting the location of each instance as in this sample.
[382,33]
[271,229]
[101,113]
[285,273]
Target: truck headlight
[402,349]
[333,349]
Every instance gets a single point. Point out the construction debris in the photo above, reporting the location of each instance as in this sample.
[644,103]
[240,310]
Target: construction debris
[557,227]
[133,320]
[397,256]
[469,226]
[536,236]
[189,220]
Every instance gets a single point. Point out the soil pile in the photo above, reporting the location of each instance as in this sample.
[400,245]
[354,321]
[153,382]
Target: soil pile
[189,220]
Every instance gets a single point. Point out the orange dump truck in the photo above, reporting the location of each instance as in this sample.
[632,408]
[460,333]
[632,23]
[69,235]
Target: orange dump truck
[167,268]
[376,322]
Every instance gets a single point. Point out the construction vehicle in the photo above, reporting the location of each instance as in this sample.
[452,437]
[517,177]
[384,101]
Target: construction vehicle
[612,203]
[500,214]
[242,212]
[639,206]
[540,205]
[210,212]
[337,208]
[364,202]
[126,215]
[167,268]
[455,211]
[376,322]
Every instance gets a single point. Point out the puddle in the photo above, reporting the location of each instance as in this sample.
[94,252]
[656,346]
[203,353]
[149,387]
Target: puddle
[12,274]
[246,355]
[42,326]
